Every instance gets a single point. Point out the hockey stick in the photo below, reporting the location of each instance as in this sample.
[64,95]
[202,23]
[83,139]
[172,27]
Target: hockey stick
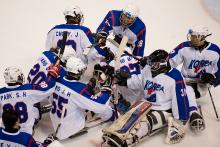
[61,119]
[87,50]
[118,54]
[86,129]
[133,56]
[62,48]
[213,104]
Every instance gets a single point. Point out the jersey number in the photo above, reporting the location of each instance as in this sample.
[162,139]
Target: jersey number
[58,103]
[20,108]
[72,43]
[38,76]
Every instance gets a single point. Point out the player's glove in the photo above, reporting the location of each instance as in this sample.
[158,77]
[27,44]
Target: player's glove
[197,123]
[109,54]
[101,38]
[54,70]
[208,78]
[108,70]
[144,61]
[121,77]
[49,139]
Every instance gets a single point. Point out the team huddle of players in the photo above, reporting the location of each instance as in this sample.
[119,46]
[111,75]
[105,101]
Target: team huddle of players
[150,94]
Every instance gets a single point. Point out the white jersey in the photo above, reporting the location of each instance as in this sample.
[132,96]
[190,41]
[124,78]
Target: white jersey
[78,39]
[196,62]
[130,64]
[165,91]
[75,97]
[22,98]
[17,139]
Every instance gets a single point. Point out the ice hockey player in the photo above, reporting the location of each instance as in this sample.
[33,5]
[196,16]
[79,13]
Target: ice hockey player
[22,97]
[200,60]
[121,23]
[72,97]
[79,37]
[164,89]
[11,135]
[39,72]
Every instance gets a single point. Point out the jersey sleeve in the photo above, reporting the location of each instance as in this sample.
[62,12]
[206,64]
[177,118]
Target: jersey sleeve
[43,90]
[140,43]
[217,69]
[180,103]
[49,41]
[175,56]
[96,103]
[107,23]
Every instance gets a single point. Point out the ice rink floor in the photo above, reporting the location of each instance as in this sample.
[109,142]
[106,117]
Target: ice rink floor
[25,23]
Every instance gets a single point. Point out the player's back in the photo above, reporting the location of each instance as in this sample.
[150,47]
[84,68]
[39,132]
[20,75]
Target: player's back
[17,139]
[78,38]
[40,70]
[22,98]
[75,97]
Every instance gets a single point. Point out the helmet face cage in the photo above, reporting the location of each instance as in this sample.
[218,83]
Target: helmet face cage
[158,61]
[14,75]
[126,20]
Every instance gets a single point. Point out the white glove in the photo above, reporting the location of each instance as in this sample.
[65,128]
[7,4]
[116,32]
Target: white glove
[176,131]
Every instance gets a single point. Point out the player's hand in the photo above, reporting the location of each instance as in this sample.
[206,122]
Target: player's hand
[109,54]
[54,70]
[101,38]
[121,77]
[144,61]
[208,78]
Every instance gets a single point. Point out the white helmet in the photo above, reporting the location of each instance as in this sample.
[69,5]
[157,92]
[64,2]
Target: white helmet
[129,15]
[74,12]
[75,65]
[131,11]
[199,31]
[13,75]
[196,35]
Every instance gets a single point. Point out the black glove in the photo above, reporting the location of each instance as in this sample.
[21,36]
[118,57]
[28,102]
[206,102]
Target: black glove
[208,78]
[109,54]
[121,77]
[49,139]
[144,61]
[101,38]
[108,70]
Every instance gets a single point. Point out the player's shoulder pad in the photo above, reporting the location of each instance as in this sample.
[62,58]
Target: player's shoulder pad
[179,48]
[215,48]
[75,86]
[138,27]
[175,74]
[50,55]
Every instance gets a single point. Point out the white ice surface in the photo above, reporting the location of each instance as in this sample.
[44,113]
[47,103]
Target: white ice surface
[25,23]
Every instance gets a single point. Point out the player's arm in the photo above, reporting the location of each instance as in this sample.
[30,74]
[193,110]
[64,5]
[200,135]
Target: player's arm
[107,23]
[175,56]
[180,102]
[43,90]
[217,72]
[95,52]
[95,103]
[140,43]
[49,40]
